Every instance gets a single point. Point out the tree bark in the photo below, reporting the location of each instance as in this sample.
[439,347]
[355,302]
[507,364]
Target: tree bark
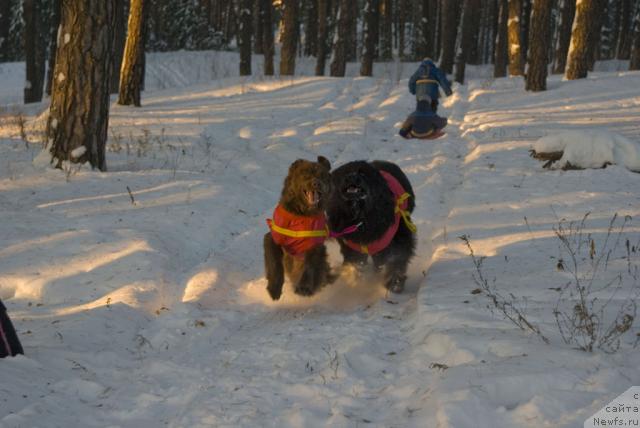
[524,30]
[634,63]
[540,38]
[578,58]
[79,111]
[131,71]
[516,64]
[35,51]
[468,27]
[578,55]
[311,28]
[595,35]
[566,13]
[323,24]
[53,43]
[386,30]
[258,27]
[119,37]
[371,11]
[5,24]
[623,48]
[449,34]
[500,53]
[245,28]
[401,11]
[339,61]
[289,37]
[267,36]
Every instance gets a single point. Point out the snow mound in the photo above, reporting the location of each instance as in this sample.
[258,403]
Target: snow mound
[591,149]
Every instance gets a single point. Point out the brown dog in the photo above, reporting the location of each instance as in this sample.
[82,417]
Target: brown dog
[295,244]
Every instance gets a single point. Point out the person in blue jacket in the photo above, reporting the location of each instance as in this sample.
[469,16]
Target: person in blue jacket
[423,122]
[425,82]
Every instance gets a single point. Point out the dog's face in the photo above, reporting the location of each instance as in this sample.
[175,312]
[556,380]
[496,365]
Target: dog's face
[360,196]
[307,187]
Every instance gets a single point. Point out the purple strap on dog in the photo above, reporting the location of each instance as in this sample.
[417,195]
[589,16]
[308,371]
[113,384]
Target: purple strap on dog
[345,231]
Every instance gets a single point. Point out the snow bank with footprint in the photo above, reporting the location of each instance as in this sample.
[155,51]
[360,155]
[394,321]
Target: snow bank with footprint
[591,149]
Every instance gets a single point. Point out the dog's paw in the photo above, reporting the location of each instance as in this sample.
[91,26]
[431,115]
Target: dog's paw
[395,284]
[274,291]
[303,290]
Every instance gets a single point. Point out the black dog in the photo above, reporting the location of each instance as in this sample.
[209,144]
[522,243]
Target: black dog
[295,244]
[378,198]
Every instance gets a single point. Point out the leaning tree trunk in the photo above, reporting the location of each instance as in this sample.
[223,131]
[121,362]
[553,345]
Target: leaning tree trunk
[53,43]
[623,49]
[539,42]
[245,28]
[567,10]
[131,72]
[369,34]
[339,62]
[119,38]
[35,51]
[468,27]
[516,64]
[79,111]
[386,30]
[289,37]
[579,49]
[267,36]
[500,53]
[634,63]
[449,34]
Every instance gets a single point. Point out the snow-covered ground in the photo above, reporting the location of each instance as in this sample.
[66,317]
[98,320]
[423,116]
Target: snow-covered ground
[139,293]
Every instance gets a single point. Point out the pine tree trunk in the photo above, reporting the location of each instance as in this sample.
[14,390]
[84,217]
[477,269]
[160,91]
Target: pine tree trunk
[370,12]
[449,34]
[352,40]
[386,31]
[634,63]
[119,35]
[323,24]
[267,36]
[566,13]
[500,54]
[5,24]
[35,51]
[131,71]
[516,64]
[540,39]
[289,37]
[595,35]
[468,27]
[53,43]
[339,56]
[79,111]
[311,28]
[258,29]
[245,28]
[433,22]
[623,48]
[578,56]
[400,14]
[524,30]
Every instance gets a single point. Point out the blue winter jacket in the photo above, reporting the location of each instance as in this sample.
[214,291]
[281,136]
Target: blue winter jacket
[429,70]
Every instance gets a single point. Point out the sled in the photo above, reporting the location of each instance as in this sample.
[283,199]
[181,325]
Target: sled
[429,136]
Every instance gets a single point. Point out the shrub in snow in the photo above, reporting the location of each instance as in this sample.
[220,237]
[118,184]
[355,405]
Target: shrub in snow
[587,149]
